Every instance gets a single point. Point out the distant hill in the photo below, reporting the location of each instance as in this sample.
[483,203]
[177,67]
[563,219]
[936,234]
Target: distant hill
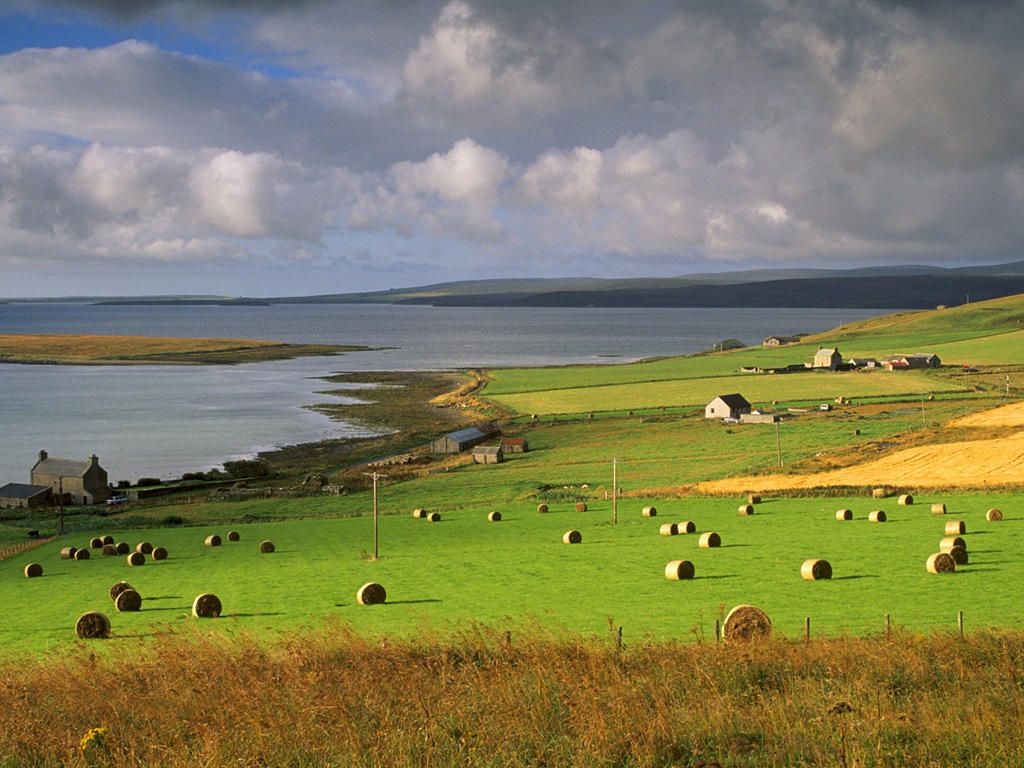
[903,287]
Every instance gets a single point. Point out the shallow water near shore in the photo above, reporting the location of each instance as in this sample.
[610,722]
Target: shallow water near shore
[162,421]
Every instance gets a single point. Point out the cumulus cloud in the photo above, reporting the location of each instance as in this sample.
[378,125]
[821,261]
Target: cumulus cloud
[421,136]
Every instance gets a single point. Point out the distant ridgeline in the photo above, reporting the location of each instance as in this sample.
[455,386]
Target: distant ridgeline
[185,302]
[906,287]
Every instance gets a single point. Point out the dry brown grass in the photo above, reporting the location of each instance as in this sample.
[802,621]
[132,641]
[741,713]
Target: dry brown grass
[488,699]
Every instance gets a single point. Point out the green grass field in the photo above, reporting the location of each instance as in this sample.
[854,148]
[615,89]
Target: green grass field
[517,573]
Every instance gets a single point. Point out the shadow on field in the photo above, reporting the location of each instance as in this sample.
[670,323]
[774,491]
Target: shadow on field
[414,602]
[164,597]
[718,576]
[857,576]
[251,615]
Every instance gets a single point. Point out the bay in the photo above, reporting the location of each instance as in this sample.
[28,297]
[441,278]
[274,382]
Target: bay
[161,421]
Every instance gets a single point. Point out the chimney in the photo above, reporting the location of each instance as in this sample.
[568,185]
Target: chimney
[42,455]
[94,460]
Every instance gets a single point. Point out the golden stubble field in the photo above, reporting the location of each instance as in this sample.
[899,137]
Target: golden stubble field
[966,464]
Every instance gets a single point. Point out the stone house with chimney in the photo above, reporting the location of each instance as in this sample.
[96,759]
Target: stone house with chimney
[79,482]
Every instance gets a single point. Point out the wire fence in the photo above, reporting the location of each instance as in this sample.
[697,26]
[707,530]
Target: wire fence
[17,549]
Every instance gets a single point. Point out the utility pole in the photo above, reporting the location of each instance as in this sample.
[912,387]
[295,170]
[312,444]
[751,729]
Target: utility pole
[375,476]
[615,491]
[60,496]
[778,443]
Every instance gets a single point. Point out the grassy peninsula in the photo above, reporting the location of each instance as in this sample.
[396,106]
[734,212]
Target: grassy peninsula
[71,349]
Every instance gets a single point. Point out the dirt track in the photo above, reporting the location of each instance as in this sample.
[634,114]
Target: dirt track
[966,464]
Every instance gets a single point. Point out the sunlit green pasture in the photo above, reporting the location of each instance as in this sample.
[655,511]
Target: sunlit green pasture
[761,389]
[517,573]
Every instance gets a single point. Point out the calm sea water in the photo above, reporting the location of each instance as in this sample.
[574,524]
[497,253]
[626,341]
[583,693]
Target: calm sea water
[165,420]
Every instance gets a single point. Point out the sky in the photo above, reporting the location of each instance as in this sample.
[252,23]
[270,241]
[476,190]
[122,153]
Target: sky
[299,147]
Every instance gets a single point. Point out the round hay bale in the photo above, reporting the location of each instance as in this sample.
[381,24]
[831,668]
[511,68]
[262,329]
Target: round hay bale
[745,623]
[108,539]
[709,540]
[213,540]
[941,562]
[67,553]
[159,553]
[96,543]
[816,570]
[687,526]
[746,509]
[679,570]
[82,554]
[371,593]
[92,625]
[959,555]
[572,537]
[905,500]
[754,498]
[234,536]
[118,588]
[33,570]
[542,508]
[938,509]
[494,517]
[123,548]
[129,600]
[668,529]
[994,515]
[419,514]
[207,606]
[581,506]
[434,517]
[136,558]
[650,512]
[844,514]
[877,516]
[109,550]
[880,493]
[144,547]
[951,541]
[267,547]
[955,528]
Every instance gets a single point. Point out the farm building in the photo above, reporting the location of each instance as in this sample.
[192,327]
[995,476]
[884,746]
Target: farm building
[25,496]
[80,482]
[863,362]
[827,357]
[780,341]
[463,439]
[757,417]
[727,407]
[916,360]
[488,454]
[514,445]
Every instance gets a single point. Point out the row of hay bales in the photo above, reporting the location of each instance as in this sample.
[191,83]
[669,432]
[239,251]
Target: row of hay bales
[435,517]
[214,540]
[96,625]
[542,509]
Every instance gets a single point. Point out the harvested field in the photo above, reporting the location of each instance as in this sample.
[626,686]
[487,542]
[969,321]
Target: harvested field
[1004,416]
[962,464]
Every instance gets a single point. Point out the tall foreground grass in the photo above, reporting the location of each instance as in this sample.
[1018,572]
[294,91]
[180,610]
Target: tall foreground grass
[490,699]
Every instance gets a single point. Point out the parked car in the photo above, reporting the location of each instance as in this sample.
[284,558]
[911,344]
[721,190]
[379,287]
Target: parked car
[115,500]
